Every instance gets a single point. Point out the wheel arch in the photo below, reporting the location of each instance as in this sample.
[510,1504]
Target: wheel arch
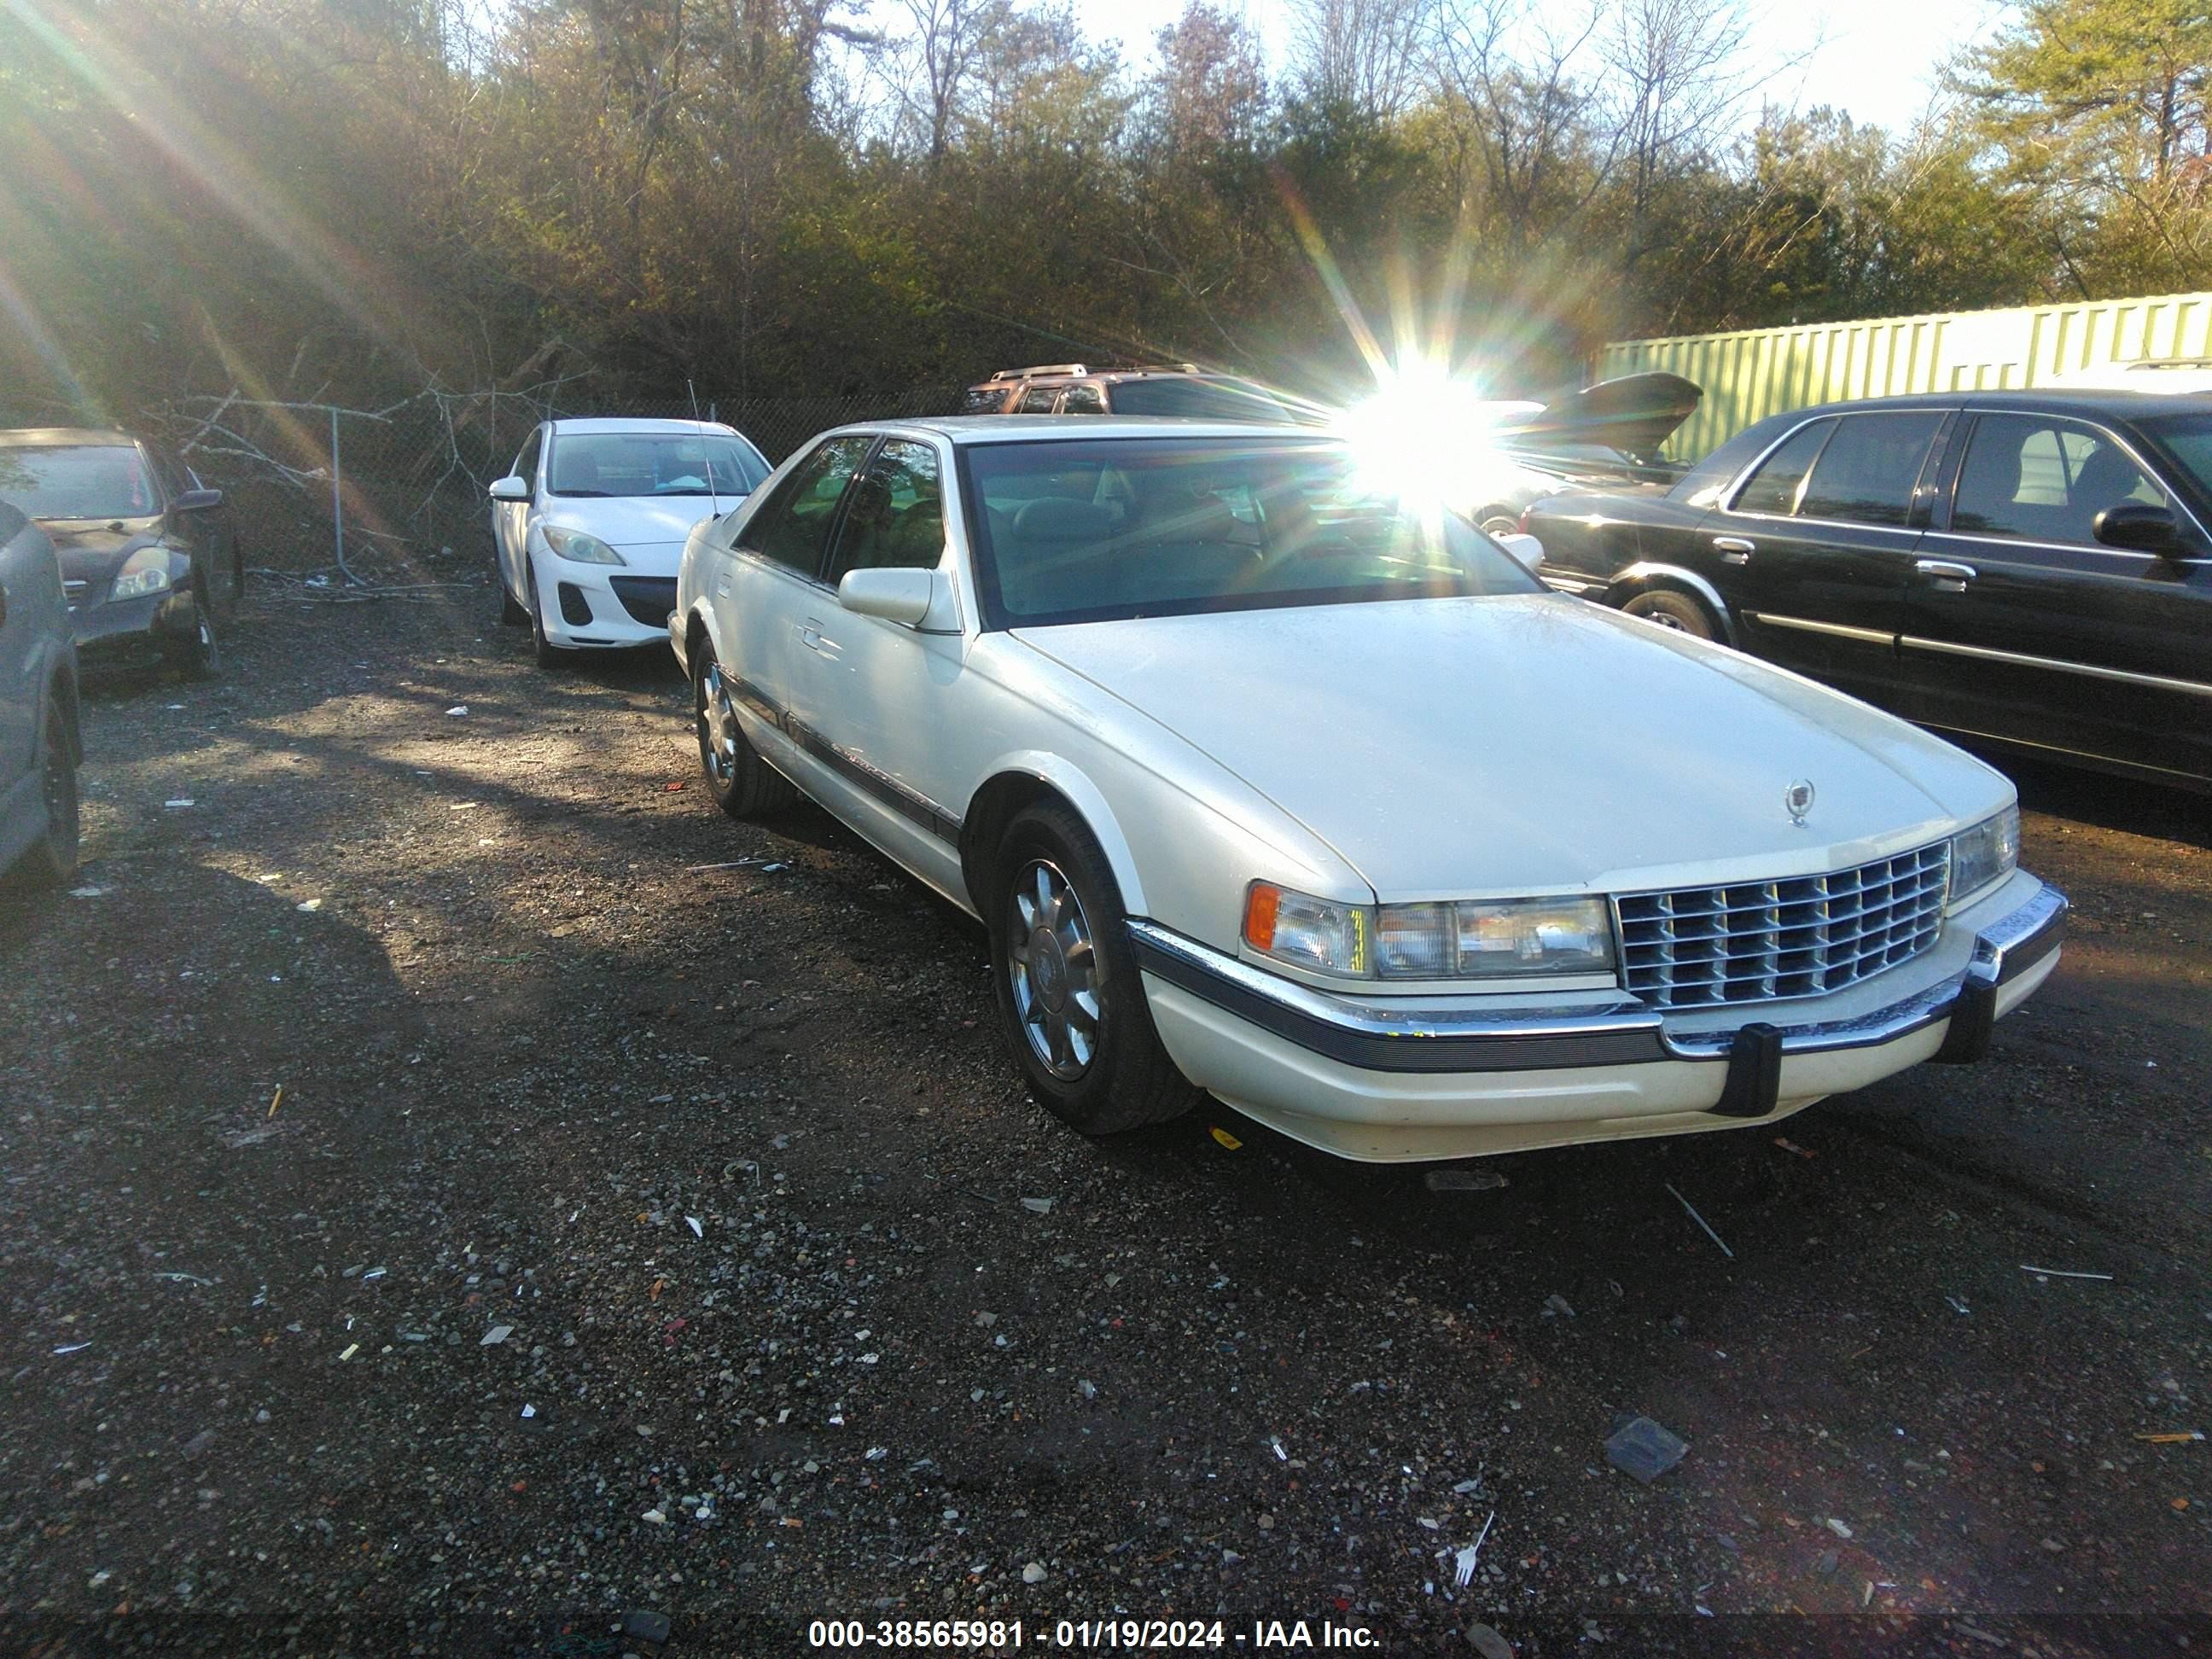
[1022,780]
[1645,578]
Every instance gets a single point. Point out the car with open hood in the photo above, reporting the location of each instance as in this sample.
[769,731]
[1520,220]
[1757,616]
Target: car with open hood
[1271,781]
[587,527]
[150,557]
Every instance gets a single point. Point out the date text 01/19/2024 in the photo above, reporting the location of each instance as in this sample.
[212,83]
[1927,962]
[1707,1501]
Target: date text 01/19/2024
[995,1635]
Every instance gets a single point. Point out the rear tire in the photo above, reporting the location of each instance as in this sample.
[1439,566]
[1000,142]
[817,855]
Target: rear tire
[1497,521]
[743,784]
[1069,991]
[1674,610]
[51,860]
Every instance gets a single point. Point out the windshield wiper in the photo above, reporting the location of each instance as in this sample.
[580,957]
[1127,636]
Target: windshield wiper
[602,495]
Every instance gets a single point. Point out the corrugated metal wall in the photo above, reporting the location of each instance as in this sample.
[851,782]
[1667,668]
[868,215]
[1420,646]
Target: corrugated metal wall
[1755,373]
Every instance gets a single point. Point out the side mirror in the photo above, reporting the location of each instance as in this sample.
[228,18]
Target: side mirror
[510,488]
[899,596]
[197,501]
[2139,527]
[1527,552]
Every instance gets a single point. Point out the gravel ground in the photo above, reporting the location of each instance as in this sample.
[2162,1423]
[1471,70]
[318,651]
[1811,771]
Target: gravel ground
[636,1236]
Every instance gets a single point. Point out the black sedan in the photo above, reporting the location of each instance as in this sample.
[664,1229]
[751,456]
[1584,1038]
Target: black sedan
[148,557]
[2030,569]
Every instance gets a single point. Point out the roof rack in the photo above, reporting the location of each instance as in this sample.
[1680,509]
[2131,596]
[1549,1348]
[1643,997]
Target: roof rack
[1040,369]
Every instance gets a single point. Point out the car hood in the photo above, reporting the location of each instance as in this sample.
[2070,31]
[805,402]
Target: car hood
[1529,743]
[636,520]
[93,549]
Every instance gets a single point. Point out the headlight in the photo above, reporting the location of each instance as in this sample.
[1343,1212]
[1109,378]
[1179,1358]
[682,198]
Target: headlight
[1486,938]
[579,546]
[1504,938]
[1323,935]
[146,571]
[1989,850]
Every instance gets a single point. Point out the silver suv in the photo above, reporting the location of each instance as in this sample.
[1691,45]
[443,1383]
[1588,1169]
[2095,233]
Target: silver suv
[39,746]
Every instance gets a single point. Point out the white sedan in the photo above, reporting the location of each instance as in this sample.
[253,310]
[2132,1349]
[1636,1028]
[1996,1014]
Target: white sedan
[590,525]
[1272,783]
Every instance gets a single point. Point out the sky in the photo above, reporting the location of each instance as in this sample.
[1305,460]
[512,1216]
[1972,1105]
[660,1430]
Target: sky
[1875,58]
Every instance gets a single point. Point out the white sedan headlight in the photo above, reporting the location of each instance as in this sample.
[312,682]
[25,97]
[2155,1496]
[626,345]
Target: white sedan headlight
[146,571]
[579,546]
[1989,850]
[1474,939]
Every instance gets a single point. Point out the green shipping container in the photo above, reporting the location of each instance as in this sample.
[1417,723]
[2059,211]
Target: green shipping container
[1754,373]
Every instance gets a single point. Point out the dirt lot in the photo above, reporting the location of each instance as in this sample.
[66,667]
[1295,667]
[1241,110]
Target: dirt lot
[734,1159]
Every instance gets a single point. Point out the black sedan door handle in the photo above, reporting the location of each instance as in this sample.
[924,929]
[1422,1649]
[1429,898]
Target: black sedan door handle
[3,604]
[1734,549]
[1950,576]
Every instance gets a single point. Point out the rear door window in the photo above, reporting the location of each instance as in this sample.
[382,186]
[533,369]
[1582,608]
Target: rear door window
[1867,471]
[1037,400]
[794,528]
[1774,487]
[1084,399]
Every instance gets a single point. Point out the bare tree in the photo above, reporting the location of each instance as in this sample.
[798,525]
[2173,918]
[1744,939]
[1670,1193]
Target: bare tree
[1367,55]
[1529,110]
[1680,77]
[947,42]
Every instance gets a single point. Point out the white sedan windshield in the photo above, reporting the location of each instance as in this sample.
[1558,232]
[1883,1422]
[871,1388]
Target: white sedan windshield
[651,463]
[1119,528]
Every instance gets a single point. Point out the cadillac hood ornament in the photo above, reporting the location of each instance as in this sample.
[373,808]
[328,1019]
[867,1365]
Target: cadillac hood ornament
[1797,801]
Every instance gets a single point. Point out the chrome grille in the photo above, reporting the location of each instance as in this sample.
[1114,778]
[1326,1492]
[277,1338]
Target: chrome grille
[1700,947]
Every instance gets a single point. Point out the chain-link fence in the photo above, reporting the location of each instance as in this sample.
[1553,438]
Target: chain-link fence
[315,484]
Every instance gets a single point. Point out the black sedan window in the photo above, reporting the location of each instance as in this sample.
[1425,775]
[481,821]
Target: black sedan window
[1774,487]
[1867,473]
[2029,477]
[77,480]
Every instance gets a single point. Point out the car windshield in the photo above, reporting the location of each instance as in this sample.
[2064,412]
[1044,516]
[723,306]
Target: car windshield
[652,464]
[2187,439]
[1209,400]
[1113,528]
[76,480]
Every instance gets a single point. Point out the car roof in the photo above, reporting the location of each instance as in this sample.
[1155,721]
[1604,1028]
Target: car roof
[62,437]
[2108,400]
[1035,428]
[574,424]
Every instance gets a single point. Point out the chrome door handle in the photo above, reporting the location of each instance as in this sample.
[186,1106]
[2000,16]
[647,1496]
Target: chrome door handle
[1734,549]
[809,636]
[1950,576]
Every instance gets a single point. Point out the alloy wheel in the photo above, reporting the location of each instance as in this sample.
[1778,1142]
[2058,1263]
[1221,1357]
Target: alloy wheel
[1052,968]
[718,726]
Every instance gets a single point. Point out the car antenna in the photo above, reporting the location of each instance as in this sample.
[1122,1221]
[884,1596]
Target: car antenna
[713,494]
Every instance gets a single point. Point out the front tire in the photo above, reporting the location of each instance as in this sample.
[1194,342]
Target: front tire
[1069,991]
[199,653]
[52,859]
[548,654]
[1676,612]
[743,784]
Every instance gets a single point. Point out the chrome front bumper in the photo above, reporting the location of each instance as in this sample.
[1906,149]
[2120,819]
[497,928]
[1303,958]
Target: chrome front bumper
[1374,1036]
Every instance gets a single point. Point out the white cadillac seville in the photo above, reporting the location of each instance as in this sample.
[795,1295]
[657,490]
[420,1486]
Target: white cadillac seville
[1270,782]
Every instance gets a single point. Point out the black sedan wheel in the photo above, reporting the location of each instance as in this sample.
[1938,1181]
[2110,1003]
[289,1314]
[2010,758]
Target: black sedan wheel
[1677,611]
[1066,980]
